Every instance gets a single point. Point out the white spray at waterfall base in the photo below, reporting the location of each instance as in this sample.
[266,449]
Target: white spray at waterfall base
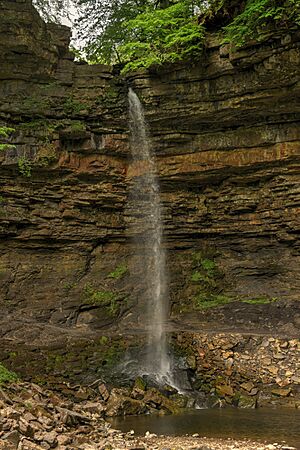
[145,195]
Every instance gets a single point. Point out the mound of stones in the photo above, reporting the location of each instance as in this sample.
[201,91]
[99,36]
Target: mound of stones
[72,418]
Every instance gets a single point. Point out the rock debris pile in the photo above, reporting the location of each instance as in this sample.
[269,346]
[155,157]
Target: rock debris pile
[32,418]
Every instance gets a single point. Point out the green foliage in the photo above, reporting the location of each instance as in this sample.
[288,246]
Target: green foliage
[108,299]
[5,132]
[6,376]
[118,273]
[53,10]
[207,300]
[207,276]
[77,126]
[111,351]
[101,26]
[260,300]
[260,17]
[103,340]
[4,147]
[43,125]
[161,36]
[140,33]
[24,166]
[209,266]
[70,285]
[72,106]
[205,269]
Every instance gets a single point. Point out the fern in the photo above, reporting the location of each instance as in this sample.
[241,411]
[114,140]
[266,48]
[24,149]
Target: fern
[160,36]
[260,17]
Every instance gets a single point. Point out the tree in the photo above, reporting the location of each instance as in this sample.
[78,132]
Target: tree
[162,35]
[53,10]
[152,31]
[101,26]
[139,33]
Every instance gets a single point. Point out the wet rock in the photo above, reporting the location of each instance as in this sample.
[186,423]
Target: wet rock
[93,407]
[246,402]
[119,404]
[247,386]
[281,392]
[139,388]
[224,390]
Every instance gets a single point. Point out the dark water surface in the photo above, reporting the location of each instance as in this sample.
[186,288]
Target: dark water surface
[271,425]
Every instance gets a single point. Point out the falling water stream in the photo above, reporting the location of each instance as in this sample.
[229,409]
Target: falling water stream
[145,195]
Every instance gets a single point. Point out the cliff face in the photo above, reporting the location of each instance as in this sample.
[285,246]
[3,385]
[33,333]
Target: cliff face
[226,132]
[226,135]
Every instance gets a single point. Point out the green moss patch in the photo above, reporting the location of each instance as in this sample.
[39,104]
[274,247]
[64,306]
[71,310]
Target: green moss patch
[6,376]
[203,301]
[118,273]
[259,300]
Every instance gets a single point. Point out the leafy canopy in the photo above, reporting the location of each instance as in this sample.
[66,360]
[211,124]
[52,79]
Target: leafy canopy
[53,10]
[160,36]
[140,33]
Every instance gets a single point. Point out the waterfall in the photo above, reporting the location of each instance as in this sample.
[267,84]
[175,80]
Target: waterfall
[145,198]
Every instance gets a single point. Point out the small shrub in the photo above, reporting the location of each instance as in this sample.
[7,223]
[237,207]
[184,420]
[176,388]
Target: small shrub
[259,17]
[162,35]
[107,299]
[24,166]
[209,266]
[6,376]
[103,340]
[118,273]
[205,270]
[5,132]
[4,147]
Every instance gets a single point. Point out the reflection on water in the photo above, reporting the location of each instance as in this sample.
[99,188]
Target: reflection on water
[257,424]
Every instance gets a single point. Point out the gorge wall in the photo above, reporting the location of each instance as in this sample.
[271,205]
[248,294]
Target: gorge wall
[226,135]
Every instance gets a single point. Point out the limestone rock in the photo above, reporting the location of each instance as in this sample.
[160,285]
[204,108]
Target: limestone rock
[281,392]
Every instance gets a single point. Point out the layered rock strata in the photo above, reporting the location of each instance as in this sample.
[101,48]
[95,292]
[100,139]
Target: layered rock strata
[225,131]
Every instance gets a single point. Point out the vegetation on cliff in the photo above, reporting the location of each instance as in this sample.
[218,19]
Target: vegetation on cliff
[140,34]
[259,17]
[6,376]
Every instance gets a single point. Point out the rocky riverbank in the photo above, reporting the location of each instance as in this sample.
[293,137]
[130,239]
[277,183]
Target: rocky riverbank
[32,417]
